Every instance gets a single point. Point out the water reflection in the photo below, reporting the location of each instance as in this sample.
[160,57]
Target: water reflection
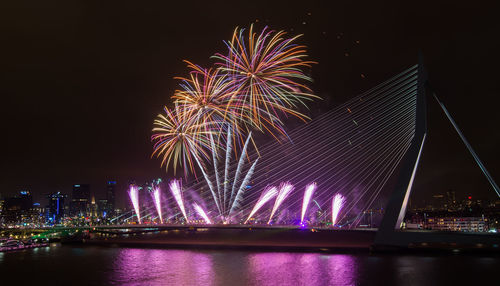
[182,267]
[162,267]
[128,266]
[301,269]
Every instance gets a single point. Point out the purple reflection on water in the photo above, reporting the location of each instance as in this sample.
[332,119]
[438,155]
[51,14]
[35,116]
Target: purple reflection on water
[301,269]
[343,269]
[186,267]
[162,267]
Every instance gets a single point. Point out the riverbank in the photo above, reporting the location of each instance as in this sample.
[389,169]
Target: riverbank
[21,247]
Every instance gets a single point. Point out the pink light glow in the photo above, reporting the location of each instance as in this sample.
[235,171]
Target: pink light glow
[285,190]
[307,199]
[157,201]
[202,213]
[337,204]
[176,189]
[134,197]
[267,194]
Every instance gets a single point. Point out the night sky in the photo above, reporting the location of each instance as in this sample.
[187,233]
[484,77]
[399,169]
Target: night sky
[82,81]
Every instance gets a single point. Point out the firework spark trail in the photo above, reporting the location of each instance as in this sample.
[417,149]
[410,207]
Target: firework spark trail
[240,164]
[157,201]
[176,189]
[226,168]
[202,213]
[267,194]
[227,203]
[285,190]
[239,194]
[215,158]
[134,197]
[307,198]
[209,183]
[337,204]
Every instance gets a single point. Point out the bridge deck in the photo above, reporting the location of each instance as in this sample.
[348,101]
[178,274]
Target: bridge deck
[295,239]
[247,238]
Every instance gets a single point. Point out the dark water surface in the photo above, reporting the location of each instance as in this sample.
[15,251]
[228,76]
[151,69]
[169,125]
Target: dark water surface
[70,265]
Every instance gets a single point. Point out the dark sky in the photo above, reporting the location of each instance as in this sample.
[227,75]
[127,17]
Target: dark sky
[82,81]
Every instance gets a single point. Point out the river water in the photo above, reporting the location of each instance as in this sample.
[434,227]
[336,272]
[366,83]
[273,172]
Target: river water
[74,265]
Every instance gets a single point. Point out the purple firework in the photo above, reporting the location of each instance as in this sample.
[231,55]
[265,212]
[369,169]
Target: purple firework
[157,201]
[176,189]
[285,190]
[337,204]
[307,199]
[202,213]
[134,197]
[267,194]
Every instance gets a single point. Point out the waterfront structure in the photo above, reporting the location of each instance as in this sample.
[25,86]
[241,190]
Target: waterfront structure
[464,224]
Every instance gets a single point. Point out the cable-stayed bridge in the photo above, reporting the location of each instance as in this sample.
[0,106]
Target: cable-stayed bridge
[366,149]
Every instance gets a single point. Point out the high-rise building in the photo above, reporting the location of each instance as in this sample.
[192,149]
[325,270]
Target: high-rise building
[439,201]
[110,196]
[17,208]
[38,215]
[103,208]
[26,200]
[80,201]
[55,209]
[144,197]
[450,198]
[93,208]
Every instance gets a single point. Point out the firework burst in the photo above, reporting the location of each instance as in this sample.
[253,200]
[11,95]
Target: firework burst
[178,139]
[206,96]
[260,79]
[267,69]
